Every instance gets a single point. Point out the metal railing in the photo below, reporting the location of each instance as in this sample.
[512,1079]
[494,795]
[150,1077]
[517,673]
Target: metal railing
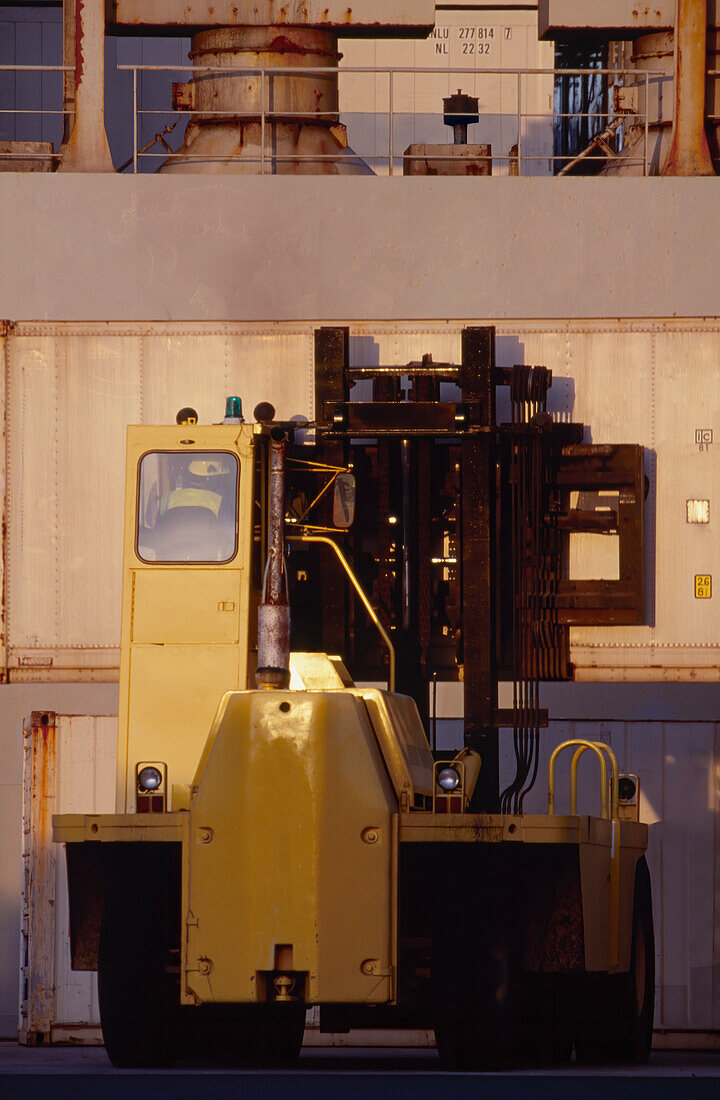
[516,159]
[36,111]
[393,159]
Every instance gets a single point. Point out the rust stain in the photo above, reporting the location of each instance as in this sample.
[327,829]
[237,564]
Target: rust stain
[79,58]
[282,44]
[348,15]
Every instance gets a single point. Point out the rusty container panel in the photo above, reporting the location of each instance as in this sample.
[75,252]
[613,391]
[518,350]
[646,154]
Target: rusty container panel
[68,767]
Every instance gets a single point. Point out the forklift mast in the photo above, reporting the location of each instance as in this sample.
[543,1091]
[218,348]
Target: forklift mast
[461,536]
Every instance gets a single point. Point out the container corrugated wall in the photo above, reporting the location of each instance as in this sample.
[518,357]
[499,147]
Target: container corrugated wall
[69,767]
[679,766]
[71,390]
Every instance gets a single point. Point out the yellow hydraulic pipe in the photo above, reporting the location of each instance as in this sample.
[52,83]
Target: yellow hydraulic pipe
[363,598]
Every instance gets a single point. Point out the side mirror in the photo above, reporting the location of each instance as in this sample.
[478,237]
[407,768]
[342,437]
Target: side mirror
[344,501]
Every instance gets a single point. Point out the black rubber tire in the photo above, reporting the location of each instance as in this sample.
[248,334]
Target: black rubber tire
[617,1010]
[138,965]
[549,1027]
[478,996]
[143,1024]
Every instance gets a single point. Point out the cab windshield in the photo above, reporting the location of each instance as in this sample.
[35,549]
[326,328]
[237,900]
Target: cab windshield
[187,506]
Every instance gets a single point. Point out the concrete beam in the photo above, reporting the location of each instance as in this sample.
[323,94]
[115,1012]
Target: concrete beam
[614,18]
[408,15]
[108,247]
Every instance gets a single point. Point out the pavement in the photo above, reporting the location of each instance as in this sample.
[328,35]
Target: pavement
[349,1074]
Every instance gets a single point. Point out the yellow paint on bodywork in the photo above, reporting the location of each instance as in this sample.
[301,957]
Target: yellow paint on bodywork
[185,627]
[170,606]
[291,843]
[402,739]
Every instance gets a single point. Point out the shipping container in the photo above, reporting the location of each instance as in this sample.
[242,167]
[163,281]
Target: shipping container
[73,388]
[69,767]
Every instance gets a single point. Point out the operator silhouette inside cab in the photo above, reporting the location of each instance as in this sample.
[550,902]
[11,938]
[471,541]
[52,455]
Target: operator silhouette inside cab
[188,507]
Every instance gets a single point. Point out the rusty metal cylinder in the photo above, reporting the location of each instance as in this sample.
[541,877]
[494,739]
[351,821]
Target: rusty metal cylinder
[274,610]
[273,669]
[313,95]
[300,134]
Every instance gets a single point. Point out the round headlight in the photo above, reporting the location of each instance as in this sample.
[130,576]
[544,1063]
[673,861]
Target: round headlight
[448,779]
[149,779]
[627,788]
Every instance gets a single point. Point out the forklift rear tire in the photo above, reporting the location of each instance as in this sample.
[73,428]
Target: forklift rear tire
[137,982]
[478,997]
[619,1025]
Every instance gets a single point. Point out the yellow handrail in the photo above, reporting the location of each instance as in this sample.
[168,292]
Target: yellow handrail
[600,749]
[603,774]
[363,598]
[614,782]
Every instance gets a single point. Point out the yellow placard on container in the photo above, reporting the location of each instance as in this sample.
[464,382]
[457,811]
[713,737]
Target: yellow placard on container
[703,586]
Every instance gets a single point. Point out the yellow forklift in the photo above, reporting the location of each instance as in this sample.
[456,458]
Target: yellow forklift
[286,838]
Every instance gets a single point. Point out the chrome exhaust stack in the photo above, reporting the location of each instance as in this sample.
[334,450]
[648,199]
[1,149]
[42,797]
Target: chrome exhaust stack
[273,671]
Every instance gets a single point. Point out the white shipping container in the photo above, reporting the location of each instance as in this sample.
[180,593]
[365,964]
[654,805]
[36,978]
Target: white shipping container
[679,768]
[73,388]
[70,768]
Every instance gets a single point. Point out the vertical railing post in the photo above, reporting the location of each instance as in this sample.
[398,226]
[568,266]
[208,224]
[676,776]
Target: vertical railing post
[262,122]
[391,114]
[519,122]
[647,124]
[135,122]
